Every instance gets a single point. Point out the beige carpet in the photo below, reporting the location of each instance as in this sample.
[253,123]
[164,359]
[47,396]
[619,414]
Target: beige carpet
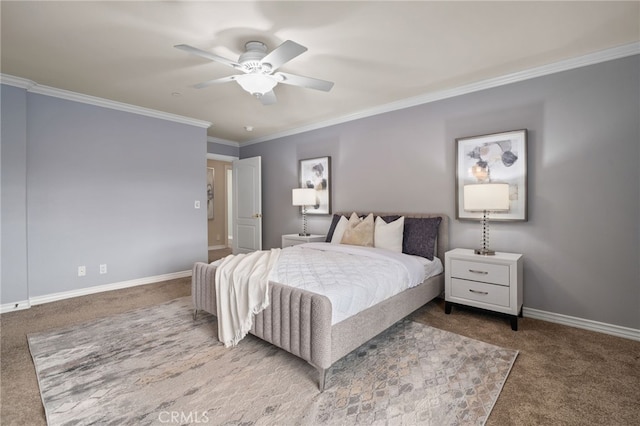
[562,376]
[145,366]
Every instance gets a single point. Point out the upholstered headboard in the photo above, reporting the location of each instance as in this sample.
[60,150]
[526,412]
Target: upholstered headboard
[442,242]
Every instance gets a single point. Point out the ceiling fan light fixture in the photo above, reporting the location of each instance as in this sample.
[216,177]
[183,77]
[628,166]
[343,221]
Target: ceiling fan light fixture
[256,84]
[259,68]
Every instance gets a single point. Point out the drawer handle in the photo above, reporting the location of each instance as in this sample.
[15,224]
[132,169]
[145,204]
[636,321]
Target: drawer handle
[475,271]
[479,292]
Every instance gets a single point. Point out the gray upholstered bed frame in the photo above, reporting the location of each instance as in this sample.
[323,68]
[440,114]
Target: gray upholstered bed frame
[299,321]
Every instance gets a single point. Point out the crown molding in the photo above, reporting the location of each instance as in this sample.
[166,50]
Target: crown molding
[33,87]
[221,157]
[565,65]
[220,141]
[21,83]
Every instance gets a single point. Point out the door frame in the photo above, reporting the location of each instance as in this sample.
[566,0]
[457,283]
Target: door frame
[227,159]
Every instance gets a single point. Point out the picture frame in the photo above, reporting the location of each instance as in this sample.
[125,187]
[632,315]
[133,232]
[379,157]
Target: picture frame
[316,173]
[210,192]
[497,157]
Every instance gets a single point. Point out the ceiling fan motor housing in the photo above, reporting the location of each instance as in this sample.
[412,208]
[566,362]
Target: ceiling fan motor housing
[251,59]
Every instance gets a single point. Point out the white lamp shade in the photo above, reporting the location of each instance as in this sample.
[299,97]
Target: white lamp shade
[486,196]
[303,196]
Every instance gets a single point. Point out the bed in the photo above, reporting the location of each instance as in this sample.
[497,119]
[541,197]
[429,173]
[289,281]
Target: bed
[300,321]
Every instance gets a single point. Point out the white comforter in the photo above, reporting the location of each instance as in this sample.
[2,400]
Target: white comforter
[353,278]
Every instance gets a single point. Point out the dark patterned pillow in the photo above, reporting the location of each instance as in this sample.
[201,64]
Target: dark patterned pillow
[332,228]
[420,235]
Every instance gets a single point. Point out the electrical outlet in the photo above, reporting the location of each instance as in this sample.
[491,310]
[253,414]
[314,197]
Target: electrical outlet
[103,268]
[82,271]
[196,204]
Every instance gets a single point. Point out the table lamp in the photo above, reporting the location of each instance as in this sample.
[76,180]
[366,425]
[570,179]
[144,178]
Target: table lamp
[485,198]
[304,197]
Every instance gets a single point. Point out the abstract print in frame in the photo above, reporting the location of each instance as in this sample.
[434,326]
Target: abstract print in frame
[498,157]
[210,184]
[316,173]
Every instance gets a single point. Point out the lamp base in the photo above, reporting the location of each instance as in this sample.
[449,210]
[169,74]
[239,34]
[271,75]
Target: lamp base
[484,252]
[304,234]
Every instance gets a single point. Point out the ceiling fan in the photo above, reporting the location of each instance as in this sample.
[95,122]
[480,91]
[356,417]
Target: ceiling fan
[258,68]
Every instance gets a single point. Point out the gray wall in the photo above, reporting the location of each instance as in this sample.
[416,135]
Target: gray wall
[13,148]
[223,149]
[102,186]
[581,243]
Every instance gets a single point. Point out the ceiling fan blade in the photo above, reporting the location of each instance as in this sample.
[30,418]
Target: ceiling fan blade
[308,82]
[215,81]
[208,55]
[268,98]
[283,53]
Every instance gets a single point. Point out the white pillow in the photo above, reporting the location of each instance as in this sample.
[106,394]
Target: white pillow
[338,231]
[389,235]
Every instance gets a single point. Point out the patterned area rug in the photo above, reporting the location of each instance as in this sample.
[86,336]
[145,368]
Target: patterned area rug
[158,366]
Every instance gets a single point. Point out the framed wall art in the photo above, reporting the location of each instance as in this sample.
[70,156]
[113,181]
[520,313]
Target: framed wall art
[316,173]
[210,185]
[498,157]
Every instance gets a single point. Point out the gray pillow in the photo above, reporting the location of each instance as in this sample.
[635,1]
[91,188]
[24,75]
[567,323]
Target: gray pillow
[332,228]
[420,235]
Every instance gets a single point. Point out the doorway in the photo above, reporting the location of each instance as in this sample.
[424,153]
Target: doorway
[229,197]
[219,219]
[247,205]
[235,225]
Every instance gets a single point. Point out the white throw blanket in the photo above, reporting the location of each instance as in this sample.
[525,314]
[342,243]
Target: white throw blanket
[242,290]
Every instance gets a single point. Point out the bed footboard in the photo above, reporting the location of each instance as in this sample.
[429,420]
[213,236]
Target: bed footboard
[203,292]
[296,320]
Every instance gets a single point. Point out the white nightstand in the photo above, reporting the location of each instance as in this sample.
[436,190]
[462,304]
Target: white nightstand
[488,282]
[289,240]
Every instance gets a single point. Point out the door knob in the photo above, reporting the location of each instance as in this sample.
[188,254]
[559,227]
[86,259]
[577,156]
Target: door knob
[257,215]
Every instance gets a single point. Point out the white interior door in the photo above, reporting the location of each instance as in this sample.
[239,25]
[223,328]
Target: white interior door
[247,205]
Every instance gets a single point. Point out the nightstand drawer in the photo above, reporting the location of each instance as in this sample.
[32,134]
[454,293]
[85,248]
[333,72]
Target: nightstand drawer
[477,271]
[480,292]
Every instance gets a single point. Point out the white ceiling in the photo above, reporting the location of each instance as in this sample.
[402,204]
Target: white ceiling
[377,53]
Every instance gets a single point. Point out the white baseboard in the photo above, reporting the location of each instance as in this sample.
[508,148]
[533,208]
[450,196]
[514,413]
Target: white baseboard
[601,327]
[15,306]
[218,247]
[38,300]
